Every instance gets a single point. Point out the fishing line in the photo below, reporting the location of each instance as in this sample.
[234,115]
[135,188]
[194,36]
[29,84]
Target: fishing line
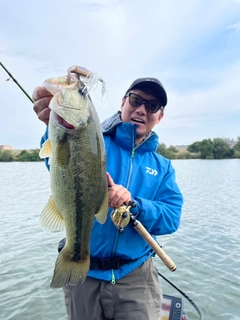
[30,56]
[91,82]
[183,294]
[104,93]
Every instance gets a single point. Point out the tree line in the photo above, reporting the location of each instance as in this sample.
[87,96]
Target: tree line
[24,155]
[206,149]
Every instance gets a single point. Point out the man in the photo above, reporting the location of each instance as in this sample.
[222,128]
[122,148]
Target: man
[122,282]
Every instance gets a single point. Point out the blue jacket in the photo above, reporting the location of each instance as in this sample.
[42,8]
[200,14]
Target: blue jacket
[150,178]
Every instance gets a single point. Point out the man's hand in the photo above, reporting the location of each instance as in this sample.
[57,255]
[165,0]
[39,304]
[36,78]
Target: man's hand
[117,194]
[41,98]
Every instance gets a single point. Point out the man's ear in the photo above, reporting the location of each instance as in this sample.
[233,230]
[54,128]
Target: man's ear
[161,114]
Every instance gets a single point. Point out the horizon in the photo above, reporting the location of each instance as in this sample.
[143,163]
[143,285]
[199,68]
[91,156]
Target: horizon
[167,146]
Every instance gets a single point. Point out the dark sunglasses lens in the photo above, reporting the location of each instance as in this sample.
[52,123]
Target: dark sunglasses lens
[152,107]
[135,100]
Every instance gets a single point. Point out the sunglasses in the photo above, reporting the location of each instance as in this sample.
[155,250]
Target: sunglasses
[152,106]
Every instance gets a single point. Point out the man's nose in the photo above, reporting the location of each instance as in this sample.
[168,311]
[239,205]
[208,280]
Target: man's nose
[142,108]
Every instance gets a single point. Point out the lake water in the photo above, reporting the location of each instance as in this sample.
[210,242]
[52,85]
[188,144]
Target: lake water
[206,248]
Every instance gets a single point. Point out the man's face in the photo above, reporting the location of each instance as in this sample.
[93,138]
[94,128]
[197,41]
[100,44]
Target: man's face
[144,120]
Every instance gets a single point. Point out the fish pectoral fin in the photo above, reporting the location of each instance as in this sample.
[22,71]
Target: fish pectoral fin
[102,213]
[50,219]
[46,150]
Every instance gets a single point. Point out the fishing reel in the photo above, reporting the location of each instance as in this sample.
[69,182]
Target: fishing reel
[122,216]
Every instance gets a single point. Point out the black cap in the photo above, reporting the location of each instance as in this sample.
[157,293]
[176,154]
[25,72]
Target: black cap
[152,84]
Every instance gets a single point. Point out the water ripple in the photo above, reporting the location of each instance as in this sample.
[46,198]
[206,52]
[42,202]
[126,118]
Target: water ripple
[205,249]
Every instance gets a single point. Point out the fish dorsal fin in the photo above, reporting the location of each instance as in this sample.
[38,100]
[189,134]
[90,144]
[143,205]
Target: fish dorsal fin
[46,150]
[50,219]
[102,213]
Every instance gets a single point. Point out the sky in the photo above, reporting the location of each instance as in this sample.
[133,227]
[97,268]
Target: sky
[191,46]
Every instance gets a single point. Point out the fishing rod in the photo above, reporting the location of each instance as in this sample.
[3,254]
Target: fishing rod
[11,76]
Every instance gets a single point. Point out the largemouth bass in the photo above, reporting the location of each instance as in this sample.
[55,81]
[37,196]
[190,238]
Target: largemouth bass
[79,189]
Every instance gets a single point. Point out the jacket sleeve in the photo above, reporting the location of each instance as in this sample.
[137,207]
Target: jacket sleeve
[44,138]
[161,215]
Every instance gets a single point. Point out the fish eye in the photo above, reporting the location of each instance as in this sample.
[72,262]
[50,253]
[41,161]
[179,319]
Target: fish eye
[82,92]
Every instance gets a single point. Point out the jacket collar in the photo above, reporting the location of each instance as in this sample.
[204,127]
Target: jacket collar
[126,132]
[109,124]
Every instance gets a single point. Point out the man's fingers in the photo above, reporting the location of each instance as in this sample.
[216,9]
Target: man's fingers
[41,104]
[109,180]
[122,196]
[41,108]
[39,93]
[44,115]
[117,194]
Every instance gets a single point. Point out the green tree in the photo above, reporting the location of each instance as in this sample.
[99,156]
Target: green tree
[231,153]
[161,149]
[221,149]
[206,149]
[29,155]
[237,145]
[184,155]
[23,156]
[6,155]
[35,155]
[173,149]
[170,154]
[194,147]
[236,155]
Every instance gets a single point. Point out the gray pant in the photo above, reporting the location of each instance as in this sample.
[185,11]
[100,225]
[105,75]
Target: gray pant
[138,295]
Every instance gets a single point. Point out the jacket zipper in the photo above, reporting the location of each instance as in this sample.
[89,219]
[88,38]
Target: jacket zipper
[131,159]
[134,148]
[113,281]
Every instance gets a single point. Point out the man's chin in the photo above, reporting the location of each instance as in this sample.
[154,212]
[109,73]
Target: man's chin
[140,136]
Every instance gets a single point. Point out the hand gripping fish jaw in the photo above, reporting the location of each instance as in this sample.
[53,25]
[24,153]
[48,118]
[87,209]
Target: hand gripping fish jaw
[122,216]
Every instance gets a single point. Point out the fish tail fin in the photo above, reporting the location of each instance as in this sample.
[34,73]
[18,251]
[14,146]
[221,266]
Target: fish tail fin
[69,272]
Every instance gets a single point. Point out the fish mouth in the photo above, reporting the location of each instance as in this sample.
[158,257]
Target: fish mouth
[66,124]
[63,123]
